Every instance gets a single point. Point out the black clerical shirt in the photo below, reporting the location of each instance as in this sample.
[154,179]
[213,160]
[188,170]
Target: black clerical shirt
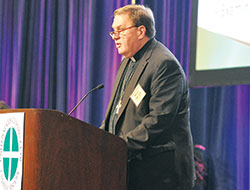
[125,79]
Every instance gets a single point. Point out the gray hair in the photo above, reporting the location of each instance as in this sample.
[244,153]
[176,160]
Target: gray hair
[139,15]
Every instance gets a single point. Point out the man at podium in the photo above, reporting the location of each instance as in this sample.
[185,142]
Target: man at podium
[149,106]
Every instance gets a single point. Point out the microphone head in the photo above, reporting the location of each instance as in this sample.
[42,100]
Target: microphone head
[100,86]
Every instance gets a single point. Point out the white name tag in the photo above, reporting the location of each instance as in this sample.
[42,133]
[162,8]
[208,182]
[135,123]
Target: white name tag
[138,95]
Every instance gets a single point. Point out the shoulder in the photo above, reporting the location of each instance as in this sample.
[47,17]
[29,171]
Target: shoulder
[159,55]
[161,52]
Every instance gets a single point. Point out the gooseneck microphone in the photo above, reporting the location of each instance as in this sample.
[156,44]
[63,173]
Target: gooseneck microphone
[96,88]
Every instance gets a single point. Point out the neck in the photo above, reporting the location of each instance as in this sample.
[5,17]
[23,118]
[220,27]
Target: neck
[141,44]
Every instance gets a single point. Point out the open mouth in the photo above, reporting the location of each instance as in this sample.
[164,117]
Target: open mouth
[118,45]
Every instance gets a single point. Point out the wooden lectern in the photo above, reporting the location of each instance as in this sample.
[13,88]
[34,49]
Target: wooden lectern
[62,152]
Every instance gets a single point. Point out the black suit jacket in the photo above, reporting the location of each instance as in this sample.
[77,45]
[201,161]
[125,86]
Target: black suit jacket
[160,123]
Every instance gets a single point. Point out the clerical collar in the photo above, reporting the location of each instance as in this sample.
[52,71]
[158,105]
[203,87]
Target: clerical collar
[140,53]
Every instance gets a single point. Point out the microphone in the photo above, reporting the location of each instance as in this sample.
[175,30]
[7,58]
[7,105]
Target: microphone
[96,88]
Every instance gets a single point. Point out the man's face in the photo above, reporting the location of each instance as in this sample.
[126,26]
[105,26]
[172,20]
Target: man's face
[127,41]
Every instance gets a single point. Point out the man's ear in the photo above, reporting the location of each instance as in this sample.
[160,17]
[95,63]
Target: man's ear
[141,32]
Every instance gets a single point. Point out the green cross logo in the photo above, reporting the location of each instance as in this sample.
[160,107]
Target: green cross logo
[10,154]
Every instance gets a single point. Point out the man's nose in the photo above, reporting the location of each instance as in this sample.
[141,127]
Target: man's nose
[116,36]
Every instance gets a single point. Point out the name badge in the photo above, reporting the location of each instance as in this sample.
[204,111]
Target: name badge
[137,95]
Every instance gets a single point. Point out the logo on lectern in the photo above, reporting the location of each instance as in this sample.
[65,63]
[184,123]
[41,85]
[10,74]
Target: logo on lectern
[10,154]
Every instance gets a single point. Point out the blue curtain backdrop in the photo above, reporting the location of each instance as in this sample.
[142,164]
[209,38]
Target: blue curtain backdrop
[53,51]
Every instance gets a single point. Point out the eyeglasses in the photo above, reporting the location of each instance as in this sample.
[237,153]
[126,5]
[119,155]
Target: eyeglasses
[117,32]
